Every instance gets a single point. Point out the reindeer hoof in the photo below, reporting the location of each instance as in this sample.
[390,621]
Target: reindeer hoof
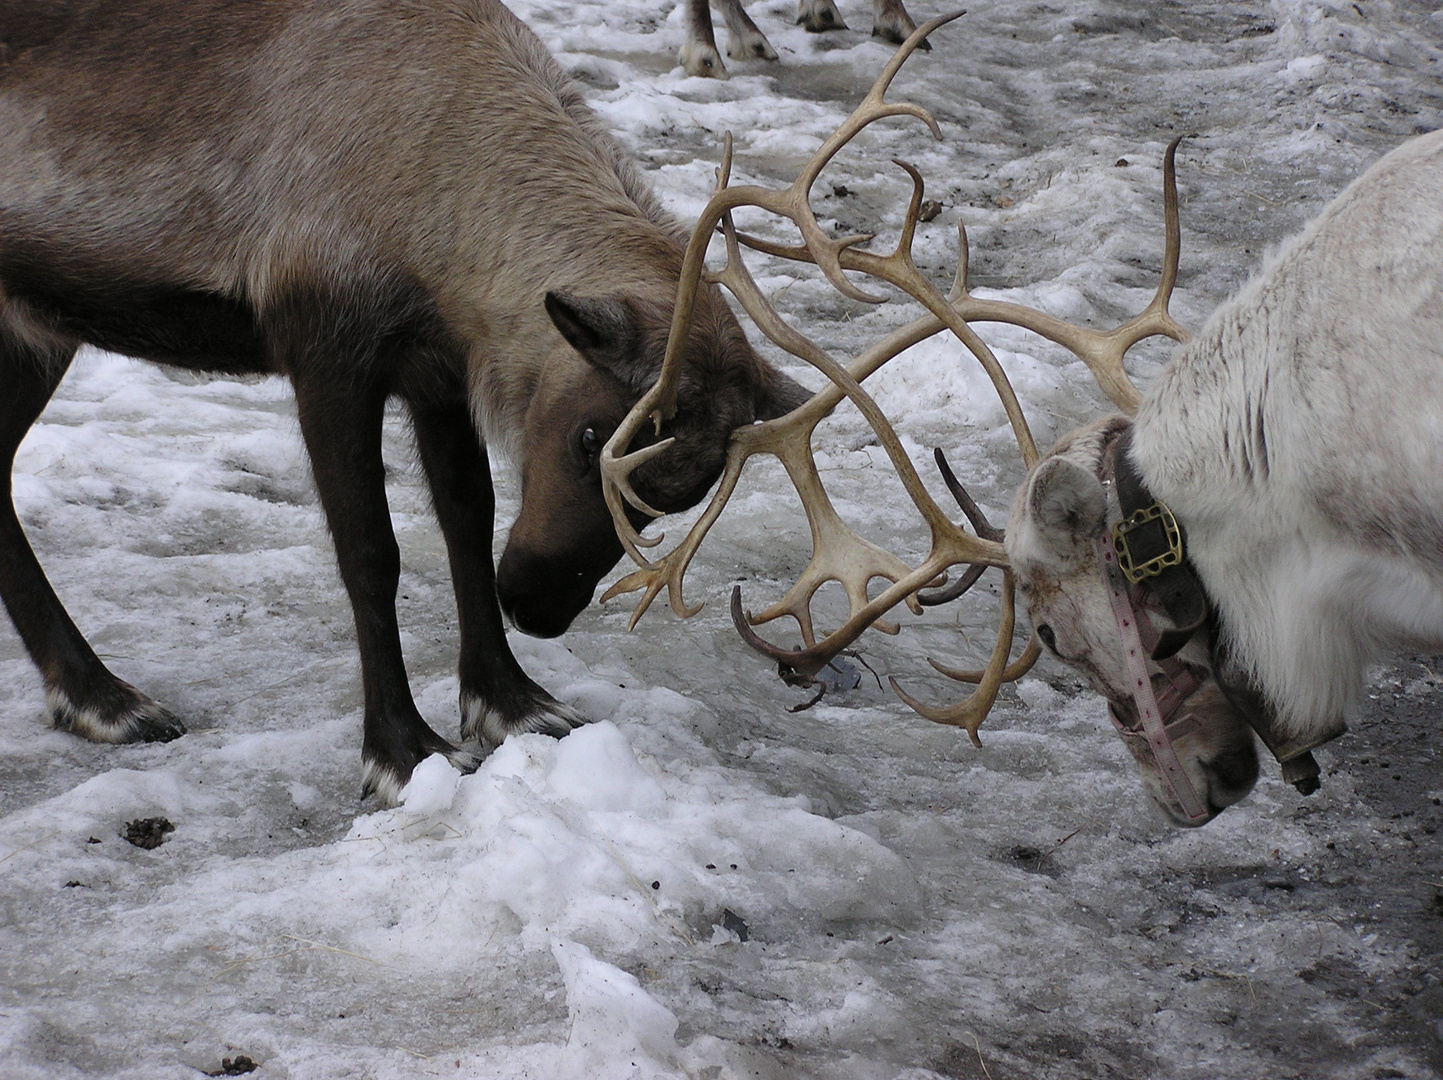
[131,717]
[385,779]
[750,47]
[489,725]
[896,33]
[702,60]
[819,16]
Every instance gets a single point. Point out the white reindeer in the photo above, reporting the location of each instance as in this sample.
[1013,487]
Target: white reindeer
[1298,443]
[1223,559]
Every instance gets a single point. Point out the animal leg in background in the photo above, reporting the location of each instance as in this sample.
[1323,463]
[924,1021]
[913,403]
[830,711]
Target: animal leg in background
[699,55]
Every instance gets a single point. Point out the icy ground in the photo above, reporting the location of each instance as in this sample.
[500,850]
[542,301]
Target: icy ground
[913,908]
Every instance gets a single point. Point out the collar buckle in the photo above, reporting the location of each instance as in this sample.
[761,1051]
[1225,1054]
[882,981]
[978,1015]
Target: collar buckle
[1162,535]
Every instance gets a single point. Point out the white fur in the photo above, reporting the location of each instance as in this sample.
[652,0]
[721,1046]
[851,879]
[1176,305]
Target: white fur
[1299,438]
[145,721]
[479,721]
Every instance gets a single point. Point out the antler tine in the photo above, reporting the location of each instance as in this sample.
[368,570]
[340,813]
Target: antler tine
[947,593]
[1101,351]
[905,50]
[669,571]
[914,207]
[1013,672]
[971,711]
[616,472]
[873,107]
[1172,245]
[984,528]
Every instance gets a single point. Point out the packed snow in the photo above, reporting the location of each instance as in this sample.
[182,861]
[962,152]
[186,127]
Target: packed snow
[703,884]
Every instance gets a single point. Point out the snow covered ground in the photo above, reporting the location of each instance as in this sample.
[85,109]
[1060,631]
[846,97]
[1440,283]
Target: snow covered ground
[703,884]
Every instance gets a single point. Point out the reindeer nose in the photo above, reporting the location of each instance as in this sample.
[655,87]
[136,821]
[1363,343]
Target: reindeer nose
[540,612]
[539,601]
[542,593]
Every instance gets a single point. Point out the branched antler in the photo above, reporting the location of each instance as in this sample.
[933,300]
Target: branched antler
[793,202]
[838,553]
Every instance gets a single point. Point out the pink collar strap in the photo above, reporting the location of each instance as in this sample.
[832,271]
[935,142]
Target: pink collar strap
[1158,726]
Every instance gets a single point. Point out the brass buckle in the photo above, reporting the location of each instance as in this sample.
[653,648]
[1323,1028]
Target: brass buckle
[1171,534]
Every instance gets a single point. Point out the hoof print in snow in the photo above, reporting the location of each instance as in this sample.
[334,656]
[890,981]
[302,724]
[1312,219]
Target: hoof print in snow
[236,1066]
[149,833]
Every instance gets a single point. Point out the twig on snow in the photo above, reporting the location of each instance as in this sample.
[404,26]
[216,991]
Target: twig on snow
[978,1044]
[26,847]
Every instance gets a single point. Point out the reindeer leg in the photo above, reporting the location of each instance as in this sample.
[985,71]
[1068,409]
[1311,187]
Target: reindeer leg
[83,696]
[497,696]
[699,54]
[819,16]
[890,22]
[340,401]
[744,40]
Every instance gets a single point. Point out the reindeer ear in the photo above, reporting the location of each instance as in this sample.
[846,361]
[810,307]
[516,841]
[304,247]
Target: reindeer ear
[1067,504]
[603,330]
[778,394]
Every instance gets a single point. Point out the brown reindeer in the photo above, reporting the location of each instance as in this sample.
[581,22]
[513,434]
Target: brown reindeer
[375,199]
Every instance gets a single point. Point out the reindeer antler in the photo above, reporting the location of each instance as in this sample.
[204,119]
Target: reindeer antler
[793,202]
[839,554]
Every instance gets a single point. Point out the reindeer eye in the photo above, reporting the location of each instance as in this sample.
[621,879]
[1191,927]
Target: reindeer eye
[590,442]
[1048,638]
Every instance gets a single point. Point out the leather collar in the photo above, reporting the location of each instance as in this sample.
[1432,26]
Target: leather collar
[1155,541]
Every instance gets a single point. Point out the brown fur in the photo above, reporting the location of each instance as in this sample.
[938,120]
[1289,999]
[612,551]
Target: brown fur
[374,198]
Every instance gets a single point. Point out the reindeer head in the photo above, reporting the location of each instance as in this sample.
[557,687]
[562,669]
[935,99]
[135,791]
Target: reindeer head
[563,541]
[1063,510]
